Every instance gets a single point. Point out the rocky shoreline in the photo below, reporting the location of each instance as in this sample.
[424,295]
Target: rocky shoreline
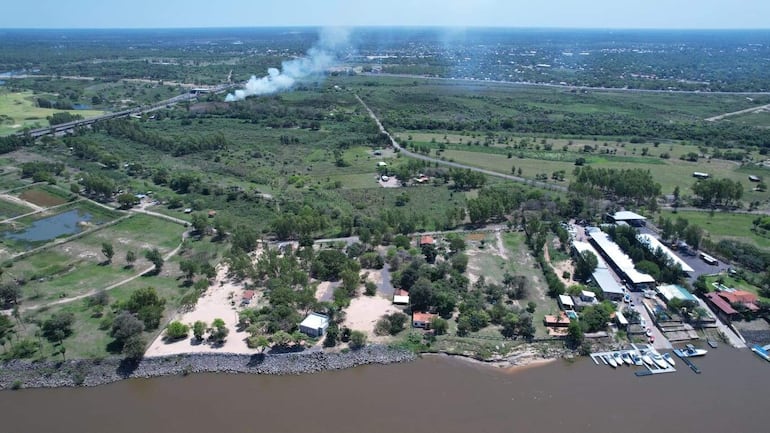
[47,374]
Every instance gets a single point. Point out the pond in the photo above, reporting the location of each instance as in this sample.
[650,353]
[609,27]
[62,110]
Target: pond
[81,107]
[65,223]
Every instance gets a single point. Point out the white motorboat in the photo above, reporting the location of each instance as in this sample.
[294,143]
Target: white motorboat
[627,358]
[611,361]
[647,360]
[618,358]
[659,361]
[690,351]
[670,359]
[637,360]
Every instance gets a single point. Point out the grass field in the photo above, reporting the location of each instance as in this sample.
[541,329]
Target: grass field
[669,173]
[77,267]
[18,110]
[10,209]
[724,225]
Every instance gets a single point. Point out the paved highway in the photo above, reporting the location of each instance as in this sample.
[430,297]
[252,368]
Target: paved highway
[64,127]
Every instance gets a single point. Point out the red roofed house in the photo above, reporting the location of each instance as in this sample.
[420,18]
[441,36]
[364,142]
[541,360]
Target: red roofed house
[426,240]
[247,296]
[724,302]
[422,320]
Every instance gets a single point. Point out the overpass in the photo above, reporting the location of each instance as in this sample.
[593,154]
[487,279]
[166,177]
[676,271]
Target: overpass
[64,127]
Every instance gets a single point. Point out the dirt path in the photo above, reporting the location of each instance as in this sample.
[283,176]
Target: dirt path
[17,200]
[500,246]
[735,113]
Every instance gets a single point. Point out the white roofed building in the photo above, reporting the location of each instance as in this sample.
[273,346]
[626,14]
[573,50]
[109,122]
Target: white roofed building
[620,262]
[653,244]
[314,325]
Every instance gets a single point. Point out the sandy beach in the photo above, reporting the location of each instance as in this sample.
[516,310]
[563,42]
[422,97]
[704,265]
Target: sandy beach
[221,300]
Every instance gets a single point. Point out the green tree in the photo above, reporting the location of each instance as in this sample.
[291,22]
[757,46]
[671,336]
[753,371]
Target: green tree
[188,268]
[134,347]
[9,294]
[58,327]
[124,326]
[199,328]
[357,340]
[199,223]
[574,335]
[125,200]
[219,331]
[177,330]
[130,258]
[585,265]
[156,258]
[108,251]
[439,325]
[147,306]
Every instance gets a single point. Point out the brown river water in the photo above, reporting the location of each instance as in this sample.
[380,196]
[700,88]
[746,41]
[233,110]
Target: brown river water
[434,394]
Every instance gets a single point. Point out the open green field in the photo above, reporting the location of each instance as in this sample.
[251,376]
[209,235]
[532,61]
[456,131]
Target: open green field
[516,260]
[757,118]
[512,99]
[724,225]
[10,209]
[78,266]
[669,173]
[18,110]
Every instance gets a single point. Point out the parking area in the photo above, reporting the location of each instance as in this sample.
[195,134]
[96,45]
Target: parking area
[696,263]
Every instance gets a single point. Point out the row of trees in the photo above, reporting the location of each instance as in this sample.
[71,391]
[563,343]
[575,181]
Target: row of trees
[625,185]
[714,192]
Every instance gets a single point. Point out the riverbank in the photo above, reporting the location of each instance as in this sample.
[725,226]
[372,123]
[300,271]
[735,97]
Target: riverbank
[47,374]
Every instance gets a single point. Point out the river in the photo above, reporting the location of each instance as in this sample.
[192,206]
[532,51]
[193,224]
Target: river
[434,394]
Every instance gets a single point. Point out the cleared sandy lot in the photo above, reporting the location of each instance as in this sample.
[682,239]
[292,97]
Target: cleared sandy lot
[217,302]
[364,311]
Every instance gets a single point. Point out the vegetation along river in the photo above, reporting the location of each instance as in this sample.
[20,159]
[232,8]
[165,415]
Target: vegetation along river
[432,394]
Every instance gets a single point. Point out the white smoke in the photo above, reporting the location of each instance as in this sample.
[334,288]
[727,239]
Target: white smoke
[319,58]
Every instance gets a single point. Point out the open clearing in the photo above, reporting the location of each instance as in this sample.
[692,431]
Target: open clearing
[364,311]
[218,302]
[724,225]
[41,197]
[18,110]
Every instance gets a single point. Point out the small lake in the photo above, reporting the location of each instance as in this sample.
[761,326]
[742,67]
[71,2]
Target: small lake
[65,223]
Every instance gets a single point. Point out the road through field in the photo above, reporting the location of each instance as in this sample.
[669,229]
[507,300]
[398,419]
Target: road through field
[455,164]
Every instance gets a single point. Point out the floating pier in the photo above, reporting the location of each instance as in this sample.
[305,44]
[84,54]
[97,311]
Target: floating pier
[636,351]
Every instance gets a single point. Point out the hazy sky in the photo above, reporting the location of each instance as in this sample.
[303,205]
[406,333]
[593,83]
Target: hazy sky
[686,14]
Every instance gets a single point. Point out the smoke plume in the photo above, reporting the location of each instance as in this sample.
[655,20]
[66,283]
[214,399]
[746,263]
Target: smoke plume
[319,58]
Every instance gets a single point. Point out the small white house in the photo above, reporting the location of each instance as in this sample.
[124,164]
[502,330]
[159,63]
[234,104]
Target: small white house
[587,296]
[314,325]
[566,302]
[382,164]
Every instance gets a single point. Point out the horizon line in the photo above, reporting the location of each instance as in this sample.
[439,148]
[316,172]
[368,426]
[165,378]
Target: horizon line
[408,26]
